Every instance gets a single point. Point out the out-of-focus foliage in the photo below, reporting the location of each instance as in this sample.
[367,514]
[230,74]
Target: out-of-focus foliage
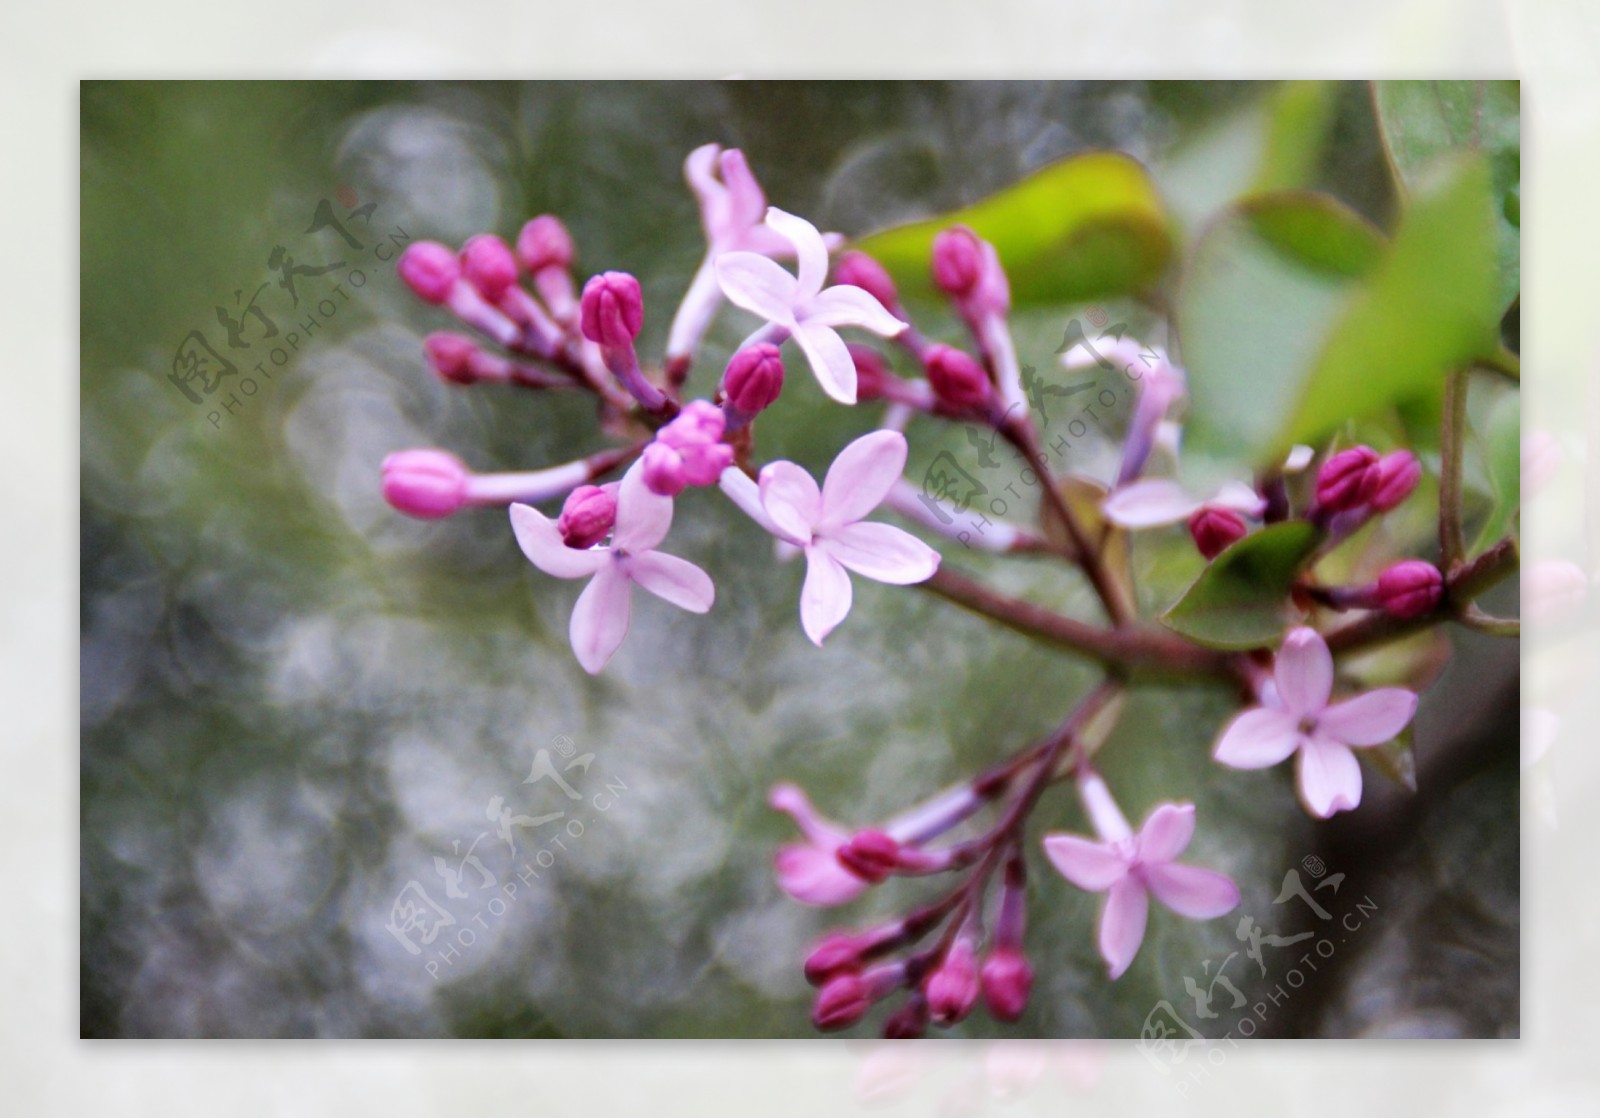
[1088,227]
[296,703]
[1423,121]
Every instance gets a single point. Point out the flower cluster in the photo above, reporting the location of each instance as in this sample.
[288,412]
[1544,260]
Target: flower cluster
[529,324]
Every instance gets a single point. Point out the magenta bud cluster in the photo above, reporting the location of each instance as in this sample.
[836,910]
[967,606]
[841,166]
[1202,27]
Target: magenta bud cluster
[612,309]
[688,451]
[588,515]
[430,270]
[754,378]
[1398,474]
[957,379]
[426,483]
[1214,528]
[1348,480]
[957,261]
[544,243]
[1410,588]
[858,269]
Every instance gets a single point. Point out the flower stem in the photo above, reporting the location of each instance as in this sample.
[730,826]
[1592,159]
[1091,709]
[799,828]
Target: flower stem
[1130,648]
[1020,433]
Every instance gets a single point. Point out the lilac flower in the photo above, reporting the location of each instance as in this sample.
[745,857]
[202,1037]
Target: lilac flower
[1295,716]
[1161,501]
[800,306]
[810,872]
[1129,866]
[600,618]
[732,207]
[827,524]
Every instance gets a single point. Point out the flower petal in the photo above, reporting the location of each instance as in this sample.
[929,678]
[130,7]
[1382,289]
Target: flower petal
[600,618]
[758,285]
[1122,921]
[1166,832]
[746,203]
[861,477]
[1258,737]
[1370,718]
[791,498]
[1241,499]
[1191,891]
[1304,672]
[676,580]
[812,875]
[643,516]
[700,171]
[881,552]
[1329,776]
[743,491]
[825,596]
[811,255]
[1155,501]
[541,542]
[848,305]
[830,360]
[1083,862]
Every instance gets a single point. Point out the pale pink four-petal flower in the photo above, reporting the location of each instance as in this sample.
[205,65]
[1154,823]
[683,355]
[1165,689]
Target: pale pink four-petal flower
[603,611]
[827,524]
[1130,866]
[1161,501]
[801,306]
[1295,716]
[810,872]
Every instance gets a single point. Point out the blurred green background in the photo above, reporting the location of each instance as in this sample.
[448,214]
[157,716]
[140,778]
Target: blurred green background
[295,702]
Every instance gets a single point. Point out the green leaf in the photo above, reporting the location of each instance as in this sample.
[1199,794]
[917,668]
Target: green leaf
[1298,116]
[1275,142]
[1502,460]
[1267,283]
[1422,121]
[1087,227]
[1428,309]
[1293,307]
[1240,599]
[1396,759]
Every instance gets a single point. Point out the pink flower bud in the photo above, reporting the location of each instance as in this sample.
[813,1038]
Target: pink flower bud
[663,470]
[430,270]
[544,243]
[587,516]
[487,264]
[957,261]
[688,451]
[612,309]
[859,269]
[1348,479]
[909,1022]
[428,484]
[701,422]
[957,378]
[451,356]
[754,378]
[843,1001]
[1398,474]
[840,951]
[870,855]
[1410,588]
[872,372]
[952,988]
[1214,528]
[1007,980]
